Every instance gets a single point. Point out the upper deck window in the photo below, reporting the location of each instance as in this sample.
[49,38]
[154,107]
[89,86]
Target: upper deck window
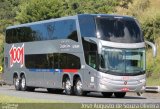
[121,30]
[87,26]
[64,29]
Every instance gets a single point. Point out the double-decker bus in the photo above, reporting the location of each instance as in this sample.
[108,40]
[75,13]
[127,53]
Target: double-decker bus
[77,54]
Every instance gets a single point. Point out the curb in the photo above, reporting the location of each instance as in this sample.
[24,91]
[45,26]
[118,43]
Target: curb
[154,89]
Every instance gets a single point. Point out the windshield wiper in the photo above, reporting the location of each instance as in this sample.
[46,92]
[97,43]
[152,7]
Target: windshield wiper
[104,70]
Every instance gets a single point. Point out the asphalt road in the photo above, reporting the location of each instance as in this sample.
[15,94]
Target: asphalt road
[90,98]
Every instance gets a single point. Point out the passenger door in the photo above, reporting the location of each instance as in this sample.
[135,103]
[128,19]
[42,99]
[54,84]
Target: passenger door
[89,73]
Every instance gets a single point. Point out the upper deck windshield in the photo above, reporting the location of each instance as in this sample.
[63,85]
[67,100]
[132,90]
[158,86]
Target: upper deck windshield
[118,29]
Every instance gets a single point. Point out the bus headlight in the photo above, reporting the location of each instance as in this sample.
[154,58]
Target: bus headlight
[142,80]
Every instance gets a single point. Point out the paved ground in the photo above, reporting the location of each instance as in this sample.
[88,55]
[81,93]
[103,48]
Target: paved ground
[90,98]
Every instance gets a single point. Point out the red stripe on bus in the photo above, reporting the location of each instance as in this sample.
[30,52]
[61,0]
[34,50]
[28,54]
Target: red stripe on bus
[70,70]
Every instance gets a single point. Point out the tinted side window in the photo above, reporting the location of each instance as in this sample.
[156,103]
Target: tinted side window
[41,61]
[73,62]
[69,61]
[55,61]
[65,29]
[91,53]
[9,36]
[87,26]
[27,34]
[63,61]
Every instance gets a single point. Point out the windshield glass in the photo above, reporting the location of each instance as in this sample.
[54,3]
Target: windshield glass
[123,61]
[121,30]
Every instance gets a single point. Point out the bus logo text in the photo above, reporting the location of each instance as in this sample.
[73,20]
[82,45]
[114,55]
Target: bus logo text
[17,55]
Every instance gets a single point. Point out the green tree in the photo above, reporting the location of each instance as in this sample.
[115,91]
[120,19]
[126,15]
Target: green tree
[151,28]
[35,10]
[8,9]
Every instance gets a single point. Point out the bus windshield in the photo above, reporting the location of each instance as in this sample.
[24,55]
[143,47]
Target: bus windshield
[121,30]
[120,61]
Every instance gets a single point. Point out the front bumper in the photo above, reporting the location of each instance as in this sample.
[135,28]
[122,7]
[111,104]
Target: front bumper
[112,83]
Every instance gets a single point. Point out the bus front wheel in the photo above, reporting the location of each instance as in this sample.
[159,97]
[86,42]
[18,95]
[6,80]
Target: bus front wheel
[119,94]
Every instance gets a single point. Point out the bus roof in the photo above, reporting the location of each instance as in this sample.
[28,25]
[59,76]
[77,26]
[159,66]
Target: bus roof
[64,18]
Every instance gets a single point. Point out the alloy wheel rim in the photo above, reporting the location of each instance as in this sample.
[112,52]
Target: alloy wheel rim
[16,81]
[68,85]
[23,83]
[79,86]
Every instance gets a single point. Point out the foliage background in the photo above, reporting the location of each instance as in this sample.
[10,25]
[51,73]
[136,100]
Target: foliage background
[147,12]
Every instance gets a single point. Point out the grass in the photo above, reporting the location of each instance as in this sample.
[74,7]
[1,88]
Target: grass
[153,66]
[153,81]
[13,99]
[11,102]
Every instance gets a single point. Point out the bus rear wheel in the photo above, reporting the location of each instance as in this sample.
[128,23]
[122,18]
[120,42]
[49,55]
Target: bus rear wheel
[16,82]
[78,88]
[119,94]
[68,87]
[107,94]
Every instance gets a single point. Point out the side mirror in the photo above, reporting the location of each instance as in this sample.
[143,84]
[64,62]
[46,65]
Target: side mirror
[154,48]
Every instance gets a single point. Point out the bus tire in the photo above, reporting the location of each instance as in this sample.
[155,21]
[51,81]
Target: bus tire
[68,87]
[16,82]
[23,83]
[119,94]
[78,88]
[107,94]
